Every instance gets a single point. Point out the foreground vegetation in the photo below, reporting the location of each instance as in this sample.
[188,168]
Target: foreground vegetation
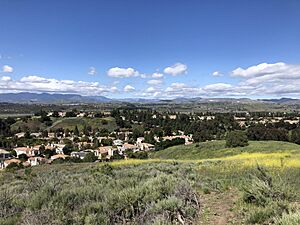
[221,189]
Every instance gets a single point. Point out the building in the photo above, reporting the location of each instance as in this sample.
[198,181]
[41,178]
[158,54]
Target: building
[4,155]
[59,156]
[34,161]
[186,138]
[58,148]
[139,140]
[131,147]
[146,147]
[80,154]
[10,161]
[118,142]
[104,152]
[29,151]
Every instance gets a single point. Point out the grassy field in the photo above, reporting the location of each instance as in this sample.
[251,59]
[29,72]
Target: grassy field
[217,149]
[35,125]
[70,123]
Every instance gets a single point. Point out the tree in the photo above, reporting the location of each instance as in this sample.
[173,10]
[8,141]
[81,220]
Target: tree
[236,139]
[295,136]
[44,133]
[55,114]
[76,131]
[90,157]
[23,157]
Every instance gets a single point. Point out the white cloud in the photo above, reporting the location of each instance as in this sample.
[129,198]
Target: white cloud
[150,90]
[217,74]
[122,72]
[7,69]
[92,71]
[264,69]
[154,82]
[129,88]
[218,87]
[157,75]
[42,84]
[6,78]
[176,69]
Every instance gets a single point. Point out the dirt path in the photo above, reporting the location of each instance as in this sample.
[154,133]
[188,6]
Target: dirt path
[218,208]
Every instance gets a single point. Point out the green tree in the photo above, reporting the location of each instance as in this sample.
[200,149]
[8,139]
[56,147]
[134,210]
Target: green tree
[76,131]
[236,139]
[295,136]
[90,157]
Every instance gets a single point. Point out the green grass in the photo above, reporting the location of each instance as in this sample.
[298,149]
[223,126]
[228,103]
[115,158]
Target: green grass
[70,123]
[217,149]
[33,125]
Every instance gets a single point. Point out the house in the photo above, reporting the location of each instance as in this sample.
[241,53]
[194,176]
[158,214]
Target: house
[118,142]
[146,147]
[186,138]
[19,135]
[58,148]
[36,135]
[34,161]
[80,154]
[104,152]
[131,147]
[59,156]
[4,155]
[29,151]
[139,140]
[10,161]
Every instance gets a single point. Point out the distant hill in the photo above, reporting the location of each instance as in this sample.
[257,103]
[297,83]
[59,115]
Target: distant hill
[47,98]
[281,100]
[27,97]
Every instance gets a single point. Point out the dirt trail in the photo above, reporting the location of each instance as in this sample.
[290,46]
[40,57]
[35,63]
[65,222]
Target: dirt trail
[217,208]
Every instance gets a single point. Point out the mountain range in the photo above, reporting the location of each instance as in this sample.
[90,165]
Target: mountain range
[46,98]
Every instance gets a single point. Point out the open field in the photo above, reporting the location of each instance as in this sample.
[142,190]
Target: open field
[217,149]
[70,123]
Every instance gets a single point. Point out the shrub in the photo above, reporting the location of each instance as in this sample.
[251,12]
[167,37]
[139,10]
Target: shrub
[288,219]
[236,139]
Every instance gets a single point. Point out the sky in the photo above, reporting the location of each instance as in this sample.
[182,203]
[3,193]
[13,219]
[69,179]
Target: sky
[151,49]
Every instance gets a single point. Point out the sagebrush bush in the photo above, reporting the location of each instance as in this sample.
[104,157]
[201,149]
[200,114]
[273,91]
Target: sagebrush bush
[143,194]
[268,195]
[288,219]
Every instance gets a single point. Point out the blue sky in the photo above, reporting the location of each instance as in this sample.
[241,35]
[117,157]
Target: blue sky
[151,49]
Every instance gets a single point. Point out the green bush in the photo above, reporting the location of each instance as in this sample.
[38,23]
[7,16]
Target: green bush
[236,139]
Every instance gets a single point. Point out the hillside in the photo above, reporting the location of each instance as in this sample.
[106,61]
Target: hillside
[70,123]
[217,149]
[66,123]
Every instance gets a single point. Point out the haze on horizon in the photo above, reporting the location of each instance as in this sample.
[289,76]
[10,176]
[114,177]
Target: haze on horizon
[157,49]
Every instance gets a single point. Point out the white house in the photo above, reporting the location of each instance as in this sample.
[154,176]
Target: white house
[139,140]
[34,161]
[118,142]
[104,152]
[29,151]
[146,147]
[58,148]
[131,147]
[80,154]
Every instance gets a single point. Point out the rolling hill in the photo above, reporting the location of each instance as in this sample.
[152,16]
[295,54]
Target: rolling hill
[217,149]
